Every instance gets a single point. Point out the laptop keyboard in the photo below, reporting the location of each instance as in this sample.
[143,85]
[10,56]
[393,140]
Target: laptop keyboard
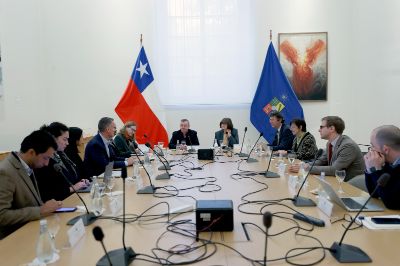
[350,203]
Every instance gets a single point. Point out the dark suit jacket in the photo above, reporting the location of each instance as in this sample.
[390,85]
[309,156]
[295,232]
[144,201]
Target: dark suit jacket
[52,184]
[96,158]
[122,146]
[73,155]
[285,139]
[191,138]
[346,155]
[19,200]
[233,139]
[390,194]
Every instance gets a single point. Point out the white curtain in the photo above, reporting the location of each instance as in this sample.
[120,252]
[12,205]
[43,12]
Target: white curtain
[204,52]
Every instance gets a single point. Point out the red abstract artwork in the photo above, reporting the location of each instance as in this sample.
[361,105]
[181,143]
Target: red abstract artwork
[303,58]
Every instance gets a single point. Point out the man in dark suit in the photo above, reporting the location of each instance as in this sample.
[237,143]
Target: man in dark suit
[20,201]
[284,137]
[341,152]
[99,152]
[184,134]
[384,157]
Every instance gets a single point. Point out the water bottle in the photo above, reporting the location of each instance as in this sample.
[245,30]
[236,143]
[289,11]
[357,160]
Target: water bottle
[97,201]
[44,248]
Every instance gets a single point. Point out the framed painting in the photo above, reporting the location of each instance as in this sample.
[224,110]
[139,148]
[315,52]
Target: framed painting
[304,59]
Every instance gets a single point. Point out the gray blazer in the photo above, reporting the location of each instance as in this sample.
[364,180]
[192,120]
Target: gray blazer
[19,200]
[346,155]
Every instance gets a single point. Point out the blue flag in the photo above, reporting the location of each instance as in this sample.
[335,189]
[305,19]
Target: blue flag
[273,93]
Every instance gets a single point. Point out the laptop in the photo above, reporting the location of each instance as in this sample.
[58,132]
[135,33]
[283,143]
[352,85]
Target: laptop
[351,204]
[107,174]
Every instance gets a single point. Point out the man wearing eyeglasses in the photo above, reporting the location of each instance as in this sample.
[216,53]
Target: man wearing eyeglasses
[341,153]
[384,157]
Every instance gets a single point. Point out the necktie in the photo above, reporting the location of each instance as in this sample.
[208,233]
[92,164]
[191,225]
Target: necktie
[329,153]
[277,137]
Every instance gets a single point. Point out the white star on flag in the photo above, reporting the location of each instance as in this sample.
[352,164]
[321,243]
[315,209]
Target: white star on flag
[142,69]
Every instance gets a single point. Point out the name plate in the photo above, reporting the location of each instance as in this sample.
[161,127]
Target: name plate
[76,232]
[325,205]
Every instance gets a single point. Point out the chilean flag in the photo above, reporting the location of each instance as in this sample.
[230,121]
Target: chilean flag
[134,107]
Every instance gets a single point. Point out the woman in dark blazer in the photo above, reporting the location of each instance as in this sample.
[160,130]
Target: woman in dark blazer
[75,145]
[228,135]
[124,142]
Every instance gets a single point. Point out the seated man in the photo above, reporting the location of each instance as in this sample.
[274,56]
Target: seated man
[384,157]
[341,153]
[98,152]
[184,134]
[284,138]
[20,201]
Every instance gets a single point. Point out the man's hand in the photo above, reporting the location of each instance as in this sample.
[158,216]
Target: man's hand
[374,159]
[49,207]
[130,160]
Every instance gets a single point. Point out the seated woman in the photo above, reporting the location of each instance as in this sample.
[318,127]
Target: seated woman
[124,142]
[75,144]
[304,145]
[51,183]
[228,135]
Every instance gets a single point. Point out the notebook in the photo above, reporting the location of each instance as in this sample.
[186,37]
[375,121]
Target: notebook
[351,204]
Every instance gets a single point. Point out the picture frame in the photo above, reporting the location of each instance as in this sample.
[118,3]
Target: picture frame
[304,59]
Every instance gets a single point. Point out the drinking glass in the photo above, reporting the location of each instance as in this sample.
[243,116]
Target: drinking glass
[136,170]
[340,175]
[110,184]
[291,158]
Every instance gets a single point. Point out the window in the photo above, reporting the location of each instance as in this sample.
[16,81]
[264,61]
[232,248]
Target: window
[204,52]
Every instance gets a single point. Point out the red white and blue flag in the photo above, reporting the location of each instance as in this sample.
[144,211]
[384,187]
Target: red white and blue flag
[134,107]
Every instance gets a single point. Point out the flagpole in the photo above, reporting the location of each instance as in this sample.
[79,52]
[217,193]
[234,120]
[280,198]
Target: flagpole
[270,35]
[141,39]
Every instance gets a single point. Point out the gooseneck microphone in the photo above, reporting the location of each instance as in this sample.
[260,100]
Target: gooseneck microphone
[267,221]
[241,148]
[150,189]
[191,150]
[269,174]
[301,201]
[252,160]
[345,253]
[87,218]
[98,235]
[165,175]
[122,256]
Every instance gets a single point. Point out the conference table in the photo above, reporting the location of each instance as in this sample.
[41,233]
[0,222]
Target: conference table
[156,236]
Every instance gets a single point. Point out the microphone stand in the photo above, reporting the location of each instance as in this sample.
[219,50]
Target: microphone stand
[87,218]
[147,189]
[252,160]
[345,253]
[122,256]
[241,148]
[268,173]
[302,201]
[165,175]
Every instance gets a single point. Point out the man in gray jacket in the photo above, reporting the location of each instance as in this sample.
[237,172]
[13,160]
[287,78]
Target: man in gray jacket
[341,152]
[20,200]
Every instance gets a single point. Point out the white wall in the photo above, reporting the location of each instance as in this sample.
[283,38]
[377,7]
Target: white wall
[71,60]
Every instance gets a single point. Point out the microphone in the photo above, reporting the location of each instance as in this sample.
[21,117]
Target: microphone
[98,235]
[301,201]
[241,148]
[269,174]
[87,218]
[165,175]
[267,221]
[345,253]
[191,150]
[252,160]
[147,189]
